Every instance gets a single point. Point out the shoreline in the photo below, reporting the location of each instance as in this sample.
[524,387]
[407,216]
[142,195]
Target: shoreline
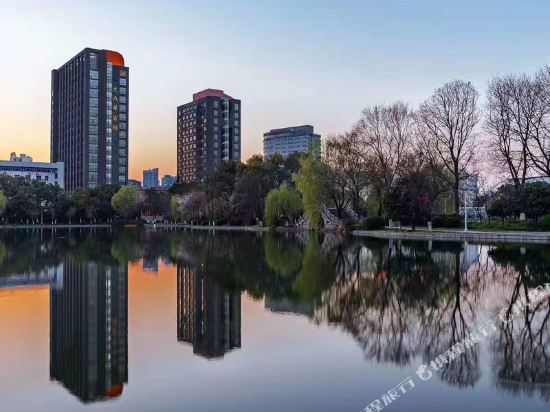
[57,226]
[458,235]
[213,228]
[419,234]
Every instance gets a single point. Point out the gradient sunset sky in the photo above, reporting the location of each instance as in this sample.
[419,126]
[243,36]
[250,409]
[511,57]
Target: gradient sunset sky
[290,62]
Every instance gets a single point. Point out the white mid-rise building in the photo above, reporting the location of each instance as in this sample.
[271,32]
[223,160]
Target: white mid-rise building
[23,166]
[296,139]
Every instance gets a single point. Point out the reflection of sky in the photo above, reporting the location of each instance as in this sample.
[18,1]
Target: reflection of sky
[286,363]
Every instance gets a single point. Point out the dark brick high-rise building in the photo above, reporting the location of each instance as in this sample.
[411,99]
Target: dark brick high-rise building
[209,133]
[89,119]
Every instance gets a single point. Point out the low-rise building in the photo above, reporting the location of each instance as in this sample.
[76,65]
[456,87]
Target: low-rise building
[135,183]
[23,166]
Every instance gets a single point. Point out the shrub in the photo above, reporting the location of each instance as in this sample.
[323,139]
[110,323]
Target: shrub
[453,221]
[447,221]
[545,222]
[374,223]
[438,221]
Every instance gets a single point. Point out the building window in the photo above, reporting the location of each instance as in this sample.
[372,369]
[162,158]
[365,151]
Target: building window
[122,82]
[123,90]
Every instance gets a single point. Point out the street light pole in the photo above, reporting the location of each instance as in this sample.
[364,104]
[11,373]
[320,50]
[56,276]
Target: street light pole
[465,213]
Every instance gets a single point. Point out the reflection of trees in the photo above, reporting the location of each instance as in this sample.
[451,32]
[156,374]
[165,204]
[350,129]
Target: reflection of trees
[282,255]
[521,362]
[403,299]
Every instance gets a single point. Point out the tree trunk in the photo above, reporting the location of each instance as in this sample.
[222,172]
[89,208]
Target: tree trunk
[456,190]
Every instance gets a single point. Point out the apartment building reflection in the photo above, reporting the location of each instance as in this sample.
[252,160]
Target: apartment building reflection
[209,317]
[89,329]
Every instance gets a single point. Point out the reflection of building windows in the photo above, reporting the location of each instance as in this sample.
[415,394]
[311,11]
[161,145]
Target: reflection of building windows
[89,330]
[94,84]
[209,317]
[122,152]
[122,126]
[123,90]
[122,82]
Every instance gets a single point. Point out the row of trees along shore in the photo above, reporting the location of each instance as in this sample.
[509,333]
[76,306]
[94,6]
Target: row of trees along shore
[396,162]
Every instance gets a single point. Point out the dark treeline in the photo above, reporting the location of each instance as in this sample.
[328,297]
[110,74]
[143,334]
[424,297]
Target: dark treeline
[236,193]
[30,201]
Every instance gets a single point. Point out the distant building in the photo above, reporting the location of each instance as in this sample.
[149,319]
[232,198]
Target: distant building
[208,133]
[135,183]
[300,139]
[167,182]
[151,179]
[89,119]
[23,166]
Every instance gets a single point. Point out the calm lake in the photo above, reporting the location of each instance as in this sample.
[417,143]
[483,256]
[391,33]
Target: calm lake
[144,320]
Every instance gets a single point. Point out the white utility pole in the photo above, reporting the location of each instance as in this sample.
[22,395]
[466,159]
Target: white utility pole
[465,212]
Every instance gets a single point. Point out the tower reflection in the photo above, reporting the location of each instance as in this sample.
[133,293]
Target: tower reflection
[89,329]
[209,317]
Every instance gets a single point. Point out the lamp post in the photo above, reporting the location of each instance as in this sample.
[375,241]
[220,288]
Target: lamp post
[465,213]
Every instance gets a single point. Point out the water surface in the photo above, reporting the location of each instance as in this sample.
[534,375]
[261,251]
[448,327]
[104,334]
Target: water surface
[142,320]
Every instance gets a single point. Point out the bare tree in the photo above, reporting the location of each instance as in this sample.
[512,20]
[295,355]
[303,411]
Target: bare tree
[342,152]
[512,113]
[386,135]
[539,142]
[335,178]
[446,122]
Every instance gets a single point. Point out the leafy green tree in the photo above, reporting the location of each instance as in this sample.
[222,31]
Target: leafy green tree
[3,203]
[126,201]
[281,205]
[310,182]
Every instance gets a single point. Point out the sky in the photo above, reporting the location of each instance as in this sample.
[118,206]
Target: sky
[290,62]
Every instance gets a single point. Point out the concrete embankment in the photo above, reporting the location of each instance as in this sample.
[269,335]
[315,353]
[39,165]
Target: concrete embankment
[217,228]
[61,226]
[459,235]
